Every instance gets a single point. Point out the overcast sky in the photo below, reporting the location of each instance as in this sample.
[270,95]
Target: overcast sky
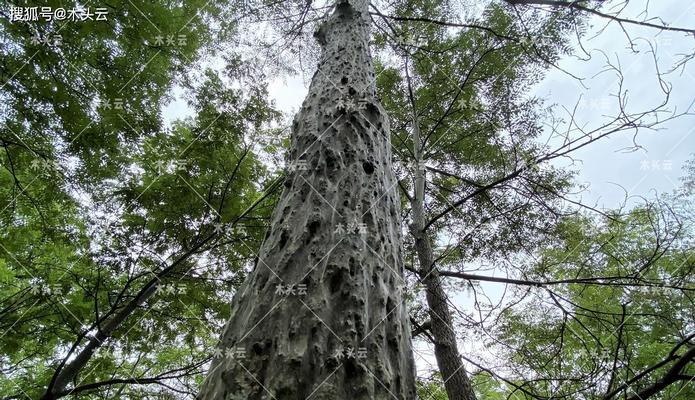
[658,164]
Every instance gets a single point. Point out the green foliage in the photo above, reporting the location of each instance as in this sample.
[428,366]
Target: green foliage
[98,197]
[430,390]
[477,123]
[617,309]
[487,387]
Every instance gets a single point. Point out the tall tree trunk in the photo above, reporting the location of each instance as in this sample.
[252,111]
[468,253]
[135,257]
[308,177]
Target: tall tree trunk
[456,382]
[322,315]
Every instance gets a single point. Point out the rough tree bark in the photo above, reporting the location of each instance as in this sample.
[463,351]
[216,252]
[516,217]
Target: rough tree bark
[322,314]
[456,382]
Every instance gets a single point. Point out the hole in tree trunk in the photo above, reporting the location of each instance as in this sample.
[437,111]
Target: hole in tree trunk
[283,239]
[368,167]
[313,227]
[351,370]
[336,281]
[330,162]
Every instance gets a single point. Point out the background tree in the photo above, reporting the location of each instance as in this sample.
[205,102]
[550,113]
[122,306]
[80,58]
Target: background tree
[540,193]
[462,119]
[605,320]
[102,206]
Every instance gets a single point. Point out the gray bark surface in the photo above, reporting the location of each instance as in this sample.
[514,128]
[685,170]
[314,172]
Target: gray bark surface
[456,382]
[322,315]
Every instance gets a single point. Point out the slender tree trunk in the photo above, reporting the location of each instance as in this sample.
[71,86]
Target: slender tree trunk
[322,314]
[456,382]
